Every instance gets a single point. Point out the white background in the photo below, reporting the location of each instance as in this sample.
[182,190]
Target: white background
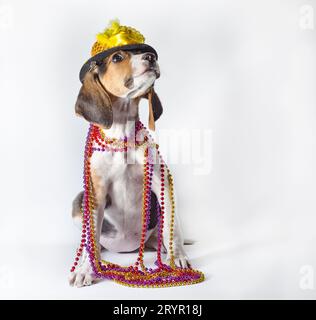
[245,70]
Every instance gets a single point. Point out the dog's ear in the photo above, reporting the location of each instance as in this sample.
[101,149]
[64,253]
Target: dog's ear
[155,103]
[155,107]
[93,102]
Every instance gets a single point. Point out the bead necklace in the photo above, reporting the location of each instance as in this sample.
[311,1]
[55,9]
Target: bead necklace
[136,275]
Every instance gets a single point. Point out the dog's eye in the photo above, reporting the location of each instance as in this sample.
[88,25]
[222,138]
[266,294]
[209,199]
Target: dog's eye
[117,57]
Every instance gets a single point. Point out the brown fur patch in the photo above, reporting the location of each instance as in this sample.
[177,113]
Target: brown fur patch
[98,188]
[93,102]
[114,78]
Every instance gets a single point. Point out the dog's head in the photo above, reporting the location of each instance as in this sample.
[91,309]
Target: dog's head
[123,74]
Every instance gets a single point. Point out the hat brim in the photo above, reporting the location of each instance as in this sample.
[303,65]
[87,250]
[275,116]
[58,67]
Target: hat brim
[98,58]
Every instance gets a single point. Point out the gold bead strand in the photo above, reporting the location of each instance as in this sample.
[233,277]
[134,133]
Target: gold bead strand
[171,195]
[141,248]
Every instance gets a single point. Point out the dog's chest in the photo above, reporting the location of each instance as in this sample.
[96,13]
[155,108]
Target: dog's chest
[121,173]
[123,183]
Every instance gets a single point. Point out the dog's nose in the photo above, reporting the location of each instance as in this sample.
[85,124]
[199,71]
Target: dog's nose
[150,57]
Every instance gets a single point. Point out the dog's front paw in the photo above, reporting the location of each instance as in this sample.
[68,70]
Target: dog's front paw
[181,261]
[82,276]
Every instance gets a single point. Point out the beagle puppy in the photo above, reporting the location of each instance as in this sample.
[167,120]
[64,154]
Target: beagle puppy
[109,98]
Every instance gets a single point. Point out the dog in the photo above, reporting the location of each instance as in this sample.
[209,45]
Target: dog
[109,98]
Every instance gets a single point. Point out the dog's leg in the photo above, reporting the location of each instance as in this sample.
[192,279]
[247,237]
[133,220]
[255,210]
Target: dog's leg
[152,242]
[83,275]
[76,210]
[180,257]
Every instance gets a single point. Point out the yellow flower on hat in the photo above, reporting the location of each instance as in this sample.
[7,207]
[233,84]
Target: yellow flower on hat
[116,35]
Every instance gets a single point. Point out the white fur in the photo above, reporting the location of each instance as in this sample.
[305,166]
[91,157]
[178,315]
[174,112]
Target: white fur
[142,79]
